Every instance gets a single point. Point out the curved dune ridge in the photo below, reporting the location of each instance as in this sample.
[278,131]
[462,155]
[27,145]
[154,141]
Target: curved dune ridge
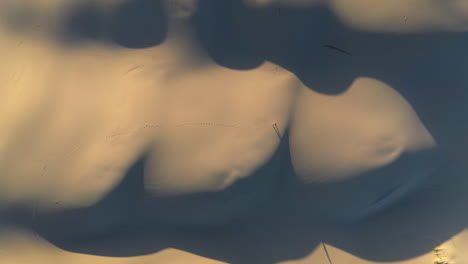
[371,125]
[161,155]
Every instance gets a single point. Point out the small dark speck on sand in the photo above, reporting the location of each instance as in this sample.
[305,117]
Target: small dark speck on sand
[133,68]
[275,127]
[328,46]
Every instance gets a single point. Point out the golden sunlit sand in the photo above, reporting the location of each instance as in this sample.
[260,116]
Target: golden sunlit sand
[201,163]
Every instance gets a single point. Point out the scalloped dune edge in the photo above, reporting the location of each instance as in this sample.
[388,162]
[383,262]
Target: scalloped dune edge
[115,142]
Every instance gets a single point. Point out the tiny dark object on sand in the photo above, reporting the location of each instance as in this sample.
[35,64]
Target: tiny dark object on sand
[328,46]
[326,252]
[275,127]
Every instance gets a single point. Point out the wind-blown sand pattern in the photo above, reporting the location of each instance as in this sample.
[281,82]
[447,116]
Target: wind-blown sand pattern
[242,132]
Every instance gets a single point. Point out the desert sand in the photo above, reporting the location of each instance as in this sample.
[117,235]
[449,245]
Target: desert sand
[283,132]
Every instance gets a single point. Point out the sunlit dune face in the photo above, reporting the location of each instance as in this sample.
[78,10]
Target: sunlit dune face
[69,112]
[400,16]
[360,151]
[403,16]
[369,126]
[93,111]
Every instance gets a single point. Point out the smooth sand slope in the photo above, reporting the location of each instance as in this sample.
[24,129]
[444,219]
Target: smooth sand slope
[162,155]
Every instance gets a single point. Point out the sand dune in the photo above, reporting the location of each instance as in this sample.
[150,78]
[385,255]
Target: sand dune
[117,154]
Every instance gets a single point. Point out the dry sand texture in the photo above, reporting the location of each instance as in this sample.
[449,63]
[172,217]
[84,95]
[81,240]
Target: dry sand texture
[304,160]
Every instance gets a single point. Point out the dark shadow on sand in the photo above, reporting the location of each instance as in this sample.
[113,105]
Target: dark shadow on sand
[238,225]
[430,70]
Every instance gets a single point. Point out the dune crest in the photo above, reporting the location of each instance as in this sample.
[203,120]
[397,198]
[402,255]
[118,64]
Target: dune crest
[367,127]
